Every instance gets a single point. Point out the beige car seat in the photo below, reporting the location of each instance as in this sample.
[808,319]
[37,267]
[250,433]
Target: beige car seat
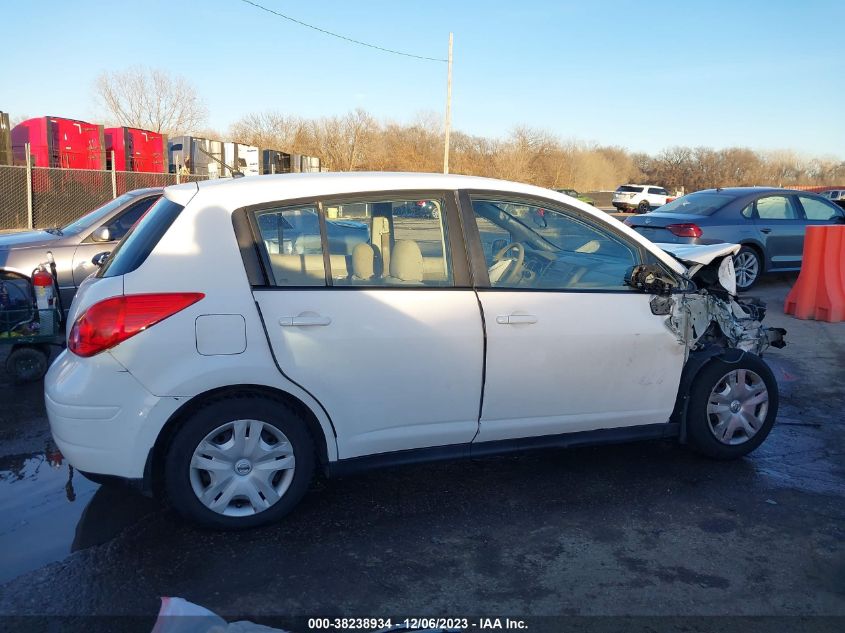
[363,262]
[406,262]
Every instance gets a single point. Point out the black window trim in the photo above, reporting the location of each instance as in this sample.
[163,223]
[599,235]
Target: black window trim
[472,239]
[258,266]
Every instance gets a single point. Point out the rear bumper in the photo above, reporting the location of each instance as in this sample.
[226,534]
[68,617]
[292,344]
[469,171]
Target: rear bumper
[102,420]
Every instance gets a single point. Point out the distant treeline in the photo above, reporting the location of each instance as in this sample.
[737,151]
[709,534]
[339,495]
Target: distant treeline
[357,141]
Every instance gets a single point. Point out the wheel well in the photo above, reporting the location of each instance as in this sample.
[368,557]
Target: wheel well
[155,460]
[696,362]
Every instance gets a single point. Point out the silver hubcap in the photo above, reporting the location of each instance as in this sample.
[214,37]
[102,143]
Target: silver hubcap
[747,268]
[737,407]
[242,468]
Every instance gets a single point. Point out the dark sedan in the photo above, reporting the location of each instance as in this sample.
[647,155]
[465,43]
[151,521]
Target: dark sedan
[768,222]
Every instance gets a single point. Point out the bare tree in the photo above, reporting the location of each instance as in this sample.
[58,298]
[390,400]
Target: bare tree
[151,99]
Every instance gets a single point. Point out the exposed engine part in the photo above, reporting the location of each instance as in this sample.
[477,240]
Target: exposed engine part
[737,323]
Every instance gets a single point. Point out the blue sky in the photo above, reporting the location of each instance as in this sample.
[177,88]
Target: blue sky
[643,75]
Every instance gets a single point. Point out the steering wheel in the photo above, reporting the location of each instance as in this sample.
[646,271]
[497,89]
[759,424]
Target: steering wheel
[514,272]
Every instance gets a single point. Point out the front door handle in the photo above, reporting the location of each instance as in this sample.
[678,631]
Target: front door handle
[765,230]
[304,320]
[515,319]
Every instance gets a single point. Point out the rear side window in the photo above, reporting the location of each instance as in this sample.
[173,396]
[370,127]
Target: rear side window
[775,208]
[141,239]
[396,243]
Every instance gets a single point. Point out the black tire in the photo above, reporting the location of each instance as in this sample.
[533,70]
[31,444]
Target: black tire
[27,363]
[643,207]
[177,478]
[745,259]
[700,434]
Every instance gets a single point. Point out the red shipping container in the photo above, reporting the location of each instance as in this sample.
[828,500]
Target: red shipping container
[58,142]
[135,149]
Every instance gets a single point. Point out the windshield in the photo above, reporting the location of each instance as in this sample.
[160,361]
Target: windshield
[697,204]
[95,216]
[629,189]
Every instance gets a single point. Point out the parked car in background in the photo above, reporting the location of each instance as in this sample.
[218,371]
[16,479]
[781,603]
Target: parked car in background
[837,196]
[222,374]
[420,209]
[769,223]
[577,196]
[74,245]
[639,198]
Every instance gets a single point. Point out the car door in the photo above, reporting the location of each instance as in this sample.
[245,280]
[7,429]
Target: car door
[118,225]
[780,229]
[570,347]
[382,326]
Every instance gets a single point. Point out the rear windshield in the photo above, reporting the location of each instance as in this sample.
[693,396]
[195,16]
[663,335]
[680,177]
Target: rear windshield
[630,189]
[697,204]
[141,239]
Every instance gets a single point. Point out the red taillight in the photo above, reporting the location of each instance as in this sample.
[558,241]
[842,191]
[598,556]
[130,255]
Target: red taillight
[112,321]
[687,229]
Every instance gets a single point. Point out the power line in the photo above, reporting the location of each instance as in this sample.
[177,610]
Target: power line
[343,37]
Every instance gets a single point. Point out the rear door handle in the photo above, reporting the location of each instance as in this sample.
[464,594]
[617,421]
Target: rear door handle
[299,321]
[515,319]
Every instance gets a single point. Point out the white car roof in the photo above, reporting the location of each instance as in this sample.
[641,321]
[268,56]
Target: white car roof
[234,193]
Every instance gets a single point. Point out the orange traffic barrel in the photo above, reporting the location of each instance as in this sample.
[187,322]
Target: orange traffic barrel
[819,292]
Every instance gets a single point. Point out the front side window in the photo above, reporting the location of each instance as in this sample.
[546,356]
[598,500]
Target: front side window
[529,246]
[775,208]
[817,210]
[120,225]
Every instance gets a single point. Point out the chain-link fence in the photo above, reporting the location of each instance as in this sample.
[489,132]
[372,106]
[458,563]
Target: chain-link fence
[13,198]
[43,197]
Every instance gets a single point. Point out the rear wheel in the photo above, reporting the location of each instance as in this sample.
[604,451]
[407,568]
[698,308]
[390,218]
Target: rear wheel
[748,266]
[239,462]
[28,363]
[732,407]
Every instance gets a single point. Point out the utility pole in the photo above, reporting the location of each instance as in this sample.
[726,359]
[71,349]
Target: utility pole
[448,110]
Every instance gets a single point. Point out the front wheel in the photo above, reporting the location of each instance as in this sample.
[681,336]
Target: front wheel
[643,207]
[732,407]
[239,462]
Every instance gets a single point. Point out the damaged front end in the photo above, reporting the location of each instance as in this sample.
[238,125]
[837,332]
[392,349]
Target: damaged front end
[707,312]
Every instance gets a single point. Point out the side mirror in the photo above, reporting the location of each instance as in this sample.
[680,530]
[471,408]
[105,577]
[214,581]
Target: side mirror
[100,258]
[650,279]
[102,234]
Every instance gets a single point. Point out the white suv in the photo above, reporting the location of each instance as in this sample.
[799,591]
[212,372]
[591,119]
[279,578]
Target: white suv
[639,198]
[219,371]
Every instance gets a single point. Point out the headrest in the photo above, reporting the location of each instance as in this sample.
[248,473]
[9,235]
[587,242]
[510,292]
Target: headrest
[406,262]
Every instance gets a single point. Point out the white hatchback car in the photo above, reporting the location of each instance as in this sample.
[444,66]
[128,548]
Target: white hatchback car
[214,369]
